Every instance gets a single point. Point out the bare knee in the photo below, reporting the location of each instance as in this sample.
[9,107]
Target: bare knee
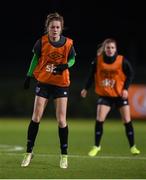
[62,122]
[126,120]
[36,118]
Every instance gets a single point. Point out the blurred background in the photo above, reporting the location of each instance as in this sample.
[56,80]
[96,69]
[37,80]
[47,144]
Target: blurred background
[88,23]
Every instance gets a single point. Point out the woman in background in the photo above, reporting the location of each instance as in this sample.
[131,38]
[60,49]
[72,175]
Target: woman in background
[112,74]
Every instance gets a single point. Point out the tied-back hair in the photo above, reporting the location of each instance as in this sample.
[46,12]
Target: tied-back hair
[101,47]
[53,17]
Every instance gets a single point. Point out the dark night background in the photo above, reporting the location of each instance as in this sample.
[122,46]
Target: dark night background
[88,23]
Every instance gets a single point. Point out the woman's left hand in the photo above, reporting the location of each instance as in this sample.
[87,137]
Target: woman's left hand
[124,94]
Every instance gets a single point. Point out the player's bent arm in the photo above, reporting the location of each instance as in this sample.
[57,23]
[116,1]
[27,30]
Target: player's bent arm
[71,62]
[61,67]
[129,72]
[90,79]
[33,65]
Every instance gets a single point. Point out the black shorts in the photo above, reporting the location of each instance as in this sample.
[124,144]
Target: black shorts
[112,101]
[47,91]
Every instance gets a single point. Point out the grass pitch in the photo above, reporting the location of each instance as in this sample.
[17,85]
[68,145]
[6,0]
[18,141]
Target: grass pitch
[113,162]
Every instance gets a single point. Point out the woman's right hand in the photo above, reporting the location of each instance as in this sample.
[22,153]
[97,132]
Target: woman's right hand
[84,93]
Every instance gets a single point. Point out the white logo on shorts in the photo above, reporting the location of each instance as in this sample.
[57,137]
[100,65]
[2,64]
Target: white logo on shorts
[65,93]
[125,102]
[37,89]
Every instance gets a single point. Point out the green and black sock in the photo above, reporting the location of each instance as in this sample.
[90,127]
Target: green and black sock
[63,136]
[31,135]
[129,133]
[98,132]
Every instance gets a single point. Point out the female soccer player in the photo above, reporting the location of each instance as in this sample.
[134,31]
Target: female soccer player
[54,54]
[112,74]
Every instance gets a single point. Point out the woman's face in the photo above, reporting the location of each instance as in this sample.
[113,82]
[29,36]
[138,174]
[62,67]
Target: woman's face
[110,49]
[54,30]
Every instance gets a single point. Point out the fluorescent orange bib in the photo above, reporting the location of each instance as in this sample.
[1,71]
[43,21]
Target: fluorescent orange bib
[51,56]
[109,78]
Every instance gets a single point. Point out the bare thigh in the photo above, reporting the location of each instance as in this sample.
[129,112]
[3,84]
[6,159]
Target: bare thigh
[102,112]
[125,113]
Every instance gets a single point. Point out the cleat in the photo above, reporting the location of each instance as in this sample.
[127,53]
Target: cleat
[134,150]
[94,151]
[26,160]
[63,161]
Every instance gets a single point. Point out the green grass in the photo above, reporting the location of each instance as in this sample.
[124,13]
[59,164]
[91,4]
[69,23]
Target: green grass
[114,161]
